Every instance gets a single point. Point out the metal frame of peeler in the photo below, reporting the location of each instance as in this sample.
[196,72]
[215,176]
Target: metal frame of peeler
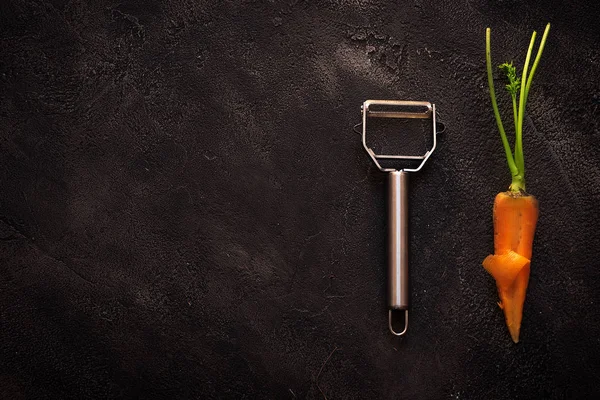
[398,275]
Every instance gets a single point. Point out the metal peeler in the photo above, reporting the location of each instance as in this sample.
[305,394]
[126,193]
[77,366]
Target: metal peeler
[398,276]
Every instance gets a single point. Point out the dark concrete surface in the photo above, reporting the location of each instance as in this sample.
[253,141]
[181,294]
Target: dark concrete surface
[186,213]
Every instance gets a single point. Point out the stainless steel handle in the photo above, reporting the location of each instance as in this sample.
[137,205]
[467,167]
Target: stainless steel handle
[398,295]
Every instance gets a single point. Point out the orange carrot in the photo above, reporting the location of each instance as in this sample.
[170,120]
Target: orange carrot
[515,218]
[515,212]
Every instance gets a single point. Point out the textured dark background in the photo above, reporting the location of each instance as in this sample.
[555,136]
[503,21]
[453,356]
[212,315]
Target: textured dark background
[186,213]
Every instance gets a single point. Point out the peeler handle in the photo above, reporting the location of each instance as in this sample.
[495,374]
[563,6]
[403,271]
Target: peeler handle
[398,295]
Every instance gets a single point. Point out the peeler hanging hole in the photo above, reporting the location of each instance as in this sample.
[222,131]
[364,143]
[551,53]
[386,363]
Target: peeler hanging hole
[390,322]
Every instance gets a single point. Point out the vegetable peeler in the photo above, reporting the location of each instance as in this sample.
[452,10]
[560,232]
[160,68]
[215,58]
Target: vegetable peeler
[398,276]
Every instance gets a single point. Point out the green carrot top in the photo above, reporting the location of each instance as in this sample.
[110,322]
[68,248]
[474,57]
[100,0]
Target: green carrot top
[516,86]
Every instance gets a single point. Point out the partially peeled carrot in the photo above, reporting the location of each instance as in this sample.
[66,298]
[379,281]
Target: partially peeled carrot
[515,212]
[515,217]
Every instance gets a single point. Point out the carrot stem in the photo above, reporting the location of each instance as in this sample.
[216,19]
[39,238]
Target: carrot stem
[488,57]
[537,60]
[519,158]
[515,111]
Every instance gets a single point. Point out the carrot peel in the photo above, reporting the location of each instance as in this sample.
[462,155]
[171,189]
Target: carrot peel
[505,268]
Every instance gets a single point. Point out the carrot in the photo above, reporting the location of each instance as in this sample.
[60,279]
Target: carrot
[515,217]
[515,211]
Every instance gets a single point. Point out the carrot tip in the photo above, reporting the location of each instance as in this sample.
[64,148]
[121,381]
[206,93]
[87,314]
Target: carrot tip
[511,272]
[514,333]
